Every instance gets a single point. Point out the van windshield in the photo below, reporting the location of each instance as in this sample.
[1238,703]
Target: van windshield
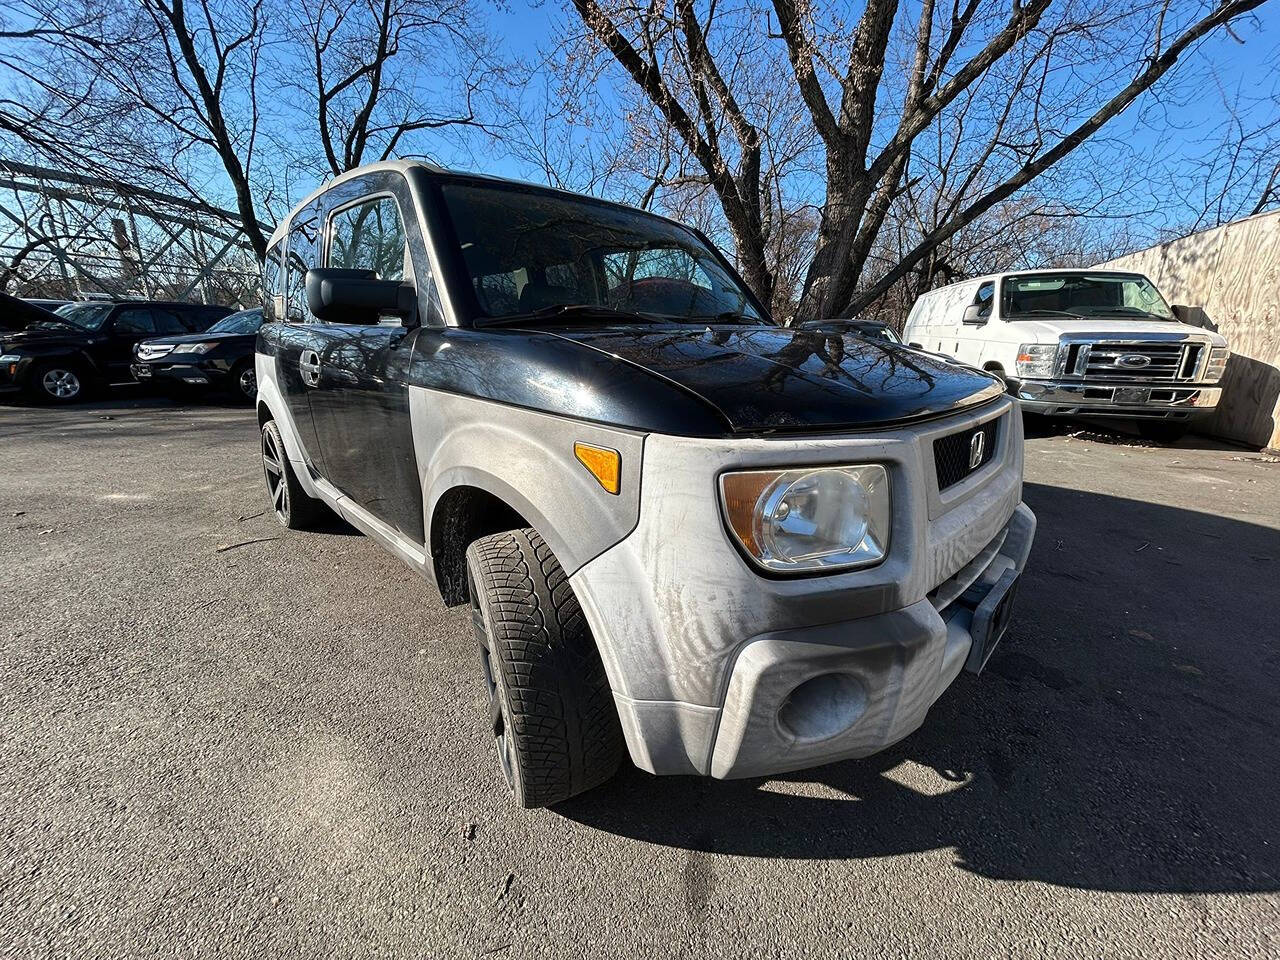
[1031,295]
[536,255]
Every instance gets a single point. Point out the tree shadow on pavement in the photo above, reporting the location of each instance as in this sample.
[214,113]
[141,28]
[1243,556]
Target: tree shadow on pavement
[1123,738]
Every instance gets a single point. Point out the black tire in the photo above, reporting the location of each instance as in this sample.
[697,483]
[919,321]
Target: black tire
[244,382]
[58,382]
[550,707]
[289,502]
[1163,431]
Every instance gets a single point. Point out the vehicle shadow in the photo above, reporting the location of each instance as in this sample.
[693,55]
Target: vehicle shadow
[1123,738]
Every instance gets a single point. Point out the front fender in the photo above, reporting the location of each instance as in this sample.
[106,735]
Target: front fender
[526,459]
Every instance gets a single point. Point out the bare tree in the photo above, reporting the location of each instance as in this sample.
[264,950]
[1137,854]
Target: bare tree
[872,88]
[371,66]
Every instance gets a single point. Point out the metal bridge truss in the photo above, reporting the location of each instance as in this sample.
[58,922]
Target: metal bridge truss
[72,236]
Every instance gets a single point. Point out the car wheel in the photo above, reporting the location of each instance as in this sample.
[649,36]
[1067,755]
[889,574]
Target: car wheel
[1163,431]
[551,712]
[57,383]
[290,503]
[244,381]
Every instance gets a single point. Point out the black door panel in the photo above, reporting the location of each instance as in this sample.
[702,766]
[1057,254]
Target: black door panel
[361,411]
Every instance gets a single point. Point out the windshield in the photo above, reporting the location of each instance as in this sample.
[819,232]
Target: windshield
[246,321]
[1082,295]
[527,251]
[86,316]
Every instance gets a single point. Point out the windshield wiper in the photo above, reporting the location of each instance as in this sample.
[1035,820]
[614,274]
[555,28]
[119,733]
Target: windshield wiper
[568,311]
[724,316]
[1046,310]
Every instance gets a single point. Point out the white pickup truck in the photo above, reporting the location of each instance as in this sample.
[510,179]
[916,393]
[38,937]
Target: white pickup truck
[1078,343]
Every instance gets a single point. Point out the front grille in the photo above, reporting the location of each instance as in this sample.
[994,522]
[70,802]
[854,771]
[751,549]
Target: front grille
[153,351]
[957,455]
[1140,361]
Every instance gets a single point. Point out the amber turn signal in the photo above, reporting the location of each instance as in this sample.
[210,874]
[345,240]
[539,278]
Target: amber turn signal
[605,465]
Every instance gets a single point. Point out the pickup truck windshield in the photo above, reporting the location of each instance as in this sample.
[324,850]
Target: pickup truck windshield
[1031,295]
[526,252]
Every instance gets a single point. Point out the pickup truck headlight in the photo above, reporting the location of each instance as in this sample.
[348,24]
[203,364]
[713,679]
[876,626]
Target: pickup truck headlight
[812,518]
[1037,359]
[194,347]
[1217,364]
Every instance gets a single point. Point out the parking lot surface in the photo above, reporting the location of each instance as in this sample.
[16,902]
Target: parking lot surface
[221,737]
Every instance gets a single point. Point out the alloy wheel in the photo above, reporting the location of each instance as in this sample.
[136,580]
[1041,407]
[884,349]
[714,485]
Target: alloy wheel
[60,384]
[497,713]
[277,483]
[248,382]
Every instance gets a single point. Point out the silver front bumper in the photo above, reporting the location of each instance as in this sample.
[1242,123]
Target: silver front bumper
[1177,401]
[704,653]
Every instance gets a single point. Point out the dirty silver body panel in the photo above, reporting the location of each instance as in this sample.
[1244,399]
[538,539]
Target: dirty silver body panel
[703,651]
[526,459]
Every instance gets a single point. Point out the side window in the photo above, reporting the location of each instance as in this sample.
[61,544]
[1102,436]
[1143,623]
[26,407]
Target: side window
[370,236]
[133,320]
[272,275]
[170,322]
[985,298]
[303,234]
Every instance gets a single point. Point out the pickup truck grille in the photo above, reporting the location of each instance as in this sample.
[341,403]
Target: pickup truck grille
[1134,361]
[957,455]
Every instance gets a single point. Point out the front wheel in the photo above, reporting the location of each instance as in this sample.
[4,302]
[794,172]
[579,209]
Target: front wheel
[57,382]
[244,381]
[1163,431]
[551,712]
[291,504]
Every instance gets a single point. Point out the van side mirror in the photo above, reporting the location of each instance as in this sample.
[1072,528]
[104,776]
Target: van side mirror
[358,296]
[973,315]
[1195,316]
[918,346]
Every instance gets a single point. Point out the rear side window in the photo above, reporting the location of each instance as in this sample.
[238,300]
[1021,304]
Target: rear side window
[173,321]
[370,236]
[304,232]
[272,277]
[135,320]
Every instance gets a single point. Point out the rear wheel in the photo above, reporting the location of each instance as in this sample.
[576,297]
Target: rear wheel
[551,712]
[1163,431]
[57,382]
[290,503]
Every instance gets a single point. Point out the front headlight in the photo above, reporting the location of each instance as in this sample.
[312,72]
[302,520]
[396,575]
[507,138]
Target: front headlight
[812,518]
[1037,359]
[9,358]
[194,347]
[1217,364]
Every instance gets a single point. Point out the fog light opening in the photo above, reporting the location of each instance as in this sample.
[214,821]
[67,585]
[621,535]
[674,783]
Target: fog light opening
[823,707]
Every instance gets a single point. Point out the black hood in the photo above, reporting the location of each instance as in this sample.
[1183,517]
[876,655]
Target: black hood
[45,336]
[785,379]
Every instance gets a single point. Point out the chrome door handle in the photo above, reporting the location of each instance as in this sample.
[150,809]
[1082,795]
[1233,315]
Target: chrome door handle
[309,364]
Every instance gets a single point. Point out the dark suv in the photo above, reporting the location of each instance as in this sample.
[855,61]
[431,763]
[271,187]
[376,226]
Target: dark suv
[220,358]
[91,344]
[686,534]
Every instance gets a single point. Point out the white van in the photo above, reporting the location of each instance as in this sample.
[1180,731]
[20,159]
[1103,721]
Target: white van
[1078,343]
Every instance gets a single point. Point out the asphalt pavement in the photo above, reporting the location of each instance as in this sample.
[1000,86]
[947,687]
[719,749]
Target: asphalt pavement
[219,737]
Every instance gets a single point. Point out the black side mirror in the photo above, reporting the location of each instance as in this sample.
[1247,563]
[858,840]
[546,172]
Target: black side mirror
[918,346]
[358,296]
[973,315]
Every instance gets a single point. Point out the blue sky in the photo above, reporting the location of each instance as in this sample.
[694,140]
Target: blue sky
[1165,136]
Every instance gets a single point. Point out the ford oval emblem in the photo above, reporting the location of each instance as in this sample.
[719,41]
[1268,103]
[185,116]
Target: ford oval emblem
[1132,360]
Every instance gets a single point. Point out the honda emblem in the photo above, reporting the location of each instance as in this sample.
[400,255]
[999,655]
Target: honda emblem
[977,446]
